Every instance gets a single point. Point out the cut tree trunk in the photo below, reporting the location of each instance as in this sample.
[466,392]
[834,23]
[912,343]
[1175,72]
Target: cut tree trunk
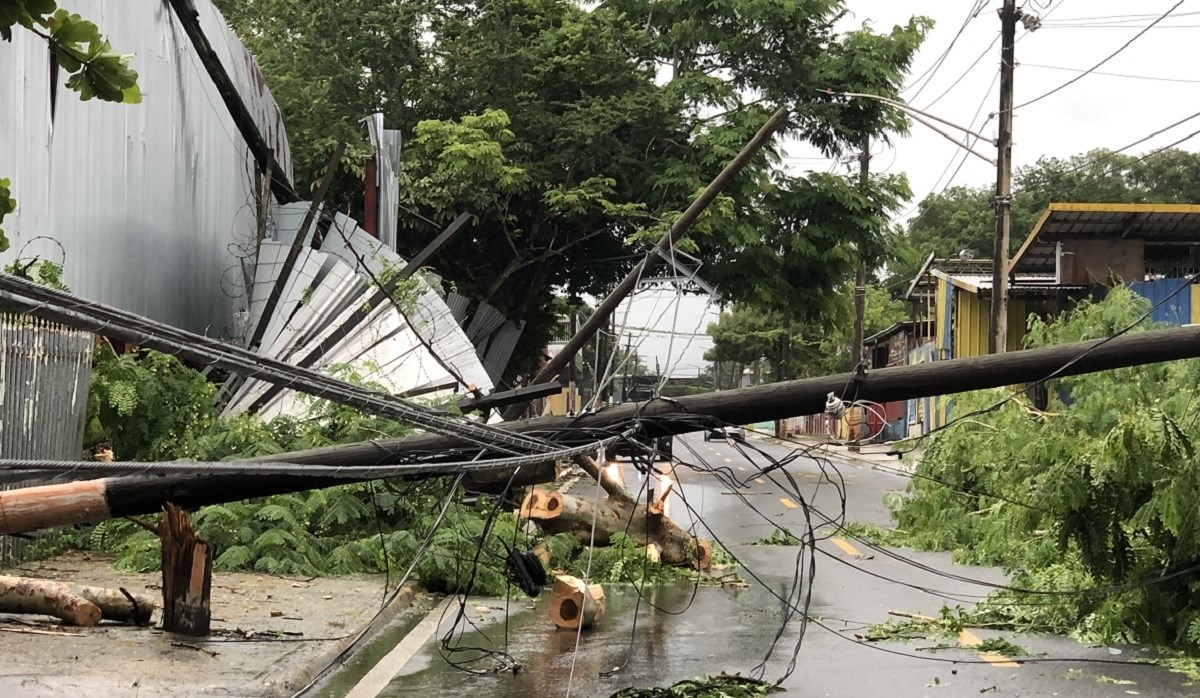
[574,604]
[46,597]
[115,605]
[575,515]
[187,575]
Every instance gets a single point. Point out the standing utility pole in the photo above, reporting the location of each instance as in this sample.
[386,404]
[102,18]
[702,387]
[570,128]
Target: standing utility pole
[860,280]
[999,336]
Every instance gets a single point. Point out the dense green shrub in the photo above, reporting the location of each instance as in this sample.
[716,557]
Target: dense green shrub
[1096,492]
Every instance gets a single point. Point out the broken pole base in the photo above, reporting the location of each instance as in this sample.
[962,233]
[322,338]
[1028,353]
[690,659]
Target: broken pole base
[187,575]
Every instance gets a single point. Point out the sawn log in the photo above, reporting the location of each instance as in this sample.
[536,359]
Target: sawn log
[556,512]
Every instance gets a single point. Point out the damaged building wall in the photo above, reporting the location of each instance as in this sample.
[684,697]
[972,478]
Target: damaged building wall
[149,207]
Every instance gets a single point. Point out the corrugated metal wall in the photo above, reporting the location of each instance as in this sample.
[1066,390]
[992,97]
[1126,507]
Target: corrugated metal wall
[152,204]
[45,373]
[1176,311]
[972,324]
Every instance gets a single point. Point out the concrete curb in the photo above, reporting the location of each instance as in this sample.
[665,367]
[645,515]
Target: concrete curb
[292,680]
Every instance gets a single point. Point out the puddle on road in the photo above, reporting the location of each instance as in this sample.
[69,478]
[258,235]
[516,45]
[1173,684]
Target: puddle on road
[722,630]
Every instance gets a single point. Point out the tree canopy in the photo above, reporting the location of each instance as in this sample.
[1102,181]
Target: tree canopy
[963,218]
[573,134]
[746,334]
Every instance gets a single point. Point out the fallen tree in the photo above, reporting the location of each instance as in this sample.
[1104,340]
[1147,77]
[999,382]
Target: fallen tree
[595,522]
[95,500]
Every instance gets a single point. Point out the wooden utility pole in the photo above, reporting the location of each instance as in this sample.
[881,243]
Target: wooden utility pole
[860,280]
[627,285]
[998,341]
[572,389]
[88,501]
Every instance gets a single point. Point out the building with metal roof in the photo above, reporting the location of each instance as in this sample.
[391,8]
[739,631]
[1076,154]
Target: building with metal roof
[1103,243]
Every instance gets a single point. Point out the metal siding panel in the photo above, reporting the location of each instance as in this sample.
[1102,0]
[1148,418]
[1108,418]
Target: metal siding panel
[152,204]
[945,295]
[1175,311]
[389,188]
[1195,298]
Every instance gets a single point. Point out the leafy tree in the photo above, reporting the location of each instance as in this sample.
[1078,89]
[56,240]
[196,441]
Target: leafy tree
[1096,492]
[794,349]
[79,49]
[963,218]
[575,134]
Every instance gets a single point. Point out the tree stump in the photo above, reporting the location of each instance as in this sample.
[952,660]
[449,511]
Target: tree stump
[187,575]
[574,604]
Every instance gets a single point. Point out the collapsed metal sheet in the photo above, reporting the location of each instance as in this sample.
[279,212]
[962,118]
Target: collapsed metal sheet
[320,314]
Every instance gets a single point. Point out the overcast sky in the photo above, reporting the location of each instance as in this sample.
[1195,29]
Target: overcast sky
[1147,86]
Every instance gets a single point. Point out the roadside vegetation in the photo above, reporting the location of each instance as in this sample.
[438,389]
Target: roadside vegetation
[148,406]
[1089,505]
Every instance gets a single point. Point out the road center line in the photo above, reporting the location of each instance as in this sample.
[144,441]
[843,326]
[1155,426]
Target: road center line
[966,638]
[846,547]
[760,481]
[788,503]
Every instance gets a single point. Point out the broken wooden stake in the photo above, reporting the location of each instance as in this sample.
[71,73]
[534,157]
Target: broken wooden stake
[575,605]
[187,575]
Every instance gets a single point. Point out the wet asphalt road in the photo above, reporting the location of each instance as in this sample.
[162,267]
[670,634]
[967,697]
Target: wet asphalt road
[710,630]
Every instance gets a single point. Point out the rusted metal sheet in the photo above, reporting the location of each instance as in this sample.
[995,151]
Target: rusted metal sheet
[149,207]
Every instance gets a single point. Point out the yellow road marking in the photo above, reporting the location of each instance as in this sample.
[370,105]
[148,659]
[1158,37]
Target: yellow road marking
[741,468]
[967,638]
[728,460]
[760,481]
[846,547]
[788,503]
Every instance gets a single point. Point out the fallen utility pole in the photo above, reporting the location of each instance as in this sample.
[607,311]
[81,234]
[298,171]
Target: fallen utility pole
[627,285]
[189,18]
[95,500]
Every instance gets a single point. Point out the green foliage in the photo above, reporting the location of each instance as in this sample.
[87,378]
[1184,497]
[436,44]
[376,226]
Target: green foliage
[1096,492]
[7,206]
[721,686]
[40,271]
[562,548]
[779,536]
[875,534]
[95,69]
[622,561]
[794,348]
[146,406]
